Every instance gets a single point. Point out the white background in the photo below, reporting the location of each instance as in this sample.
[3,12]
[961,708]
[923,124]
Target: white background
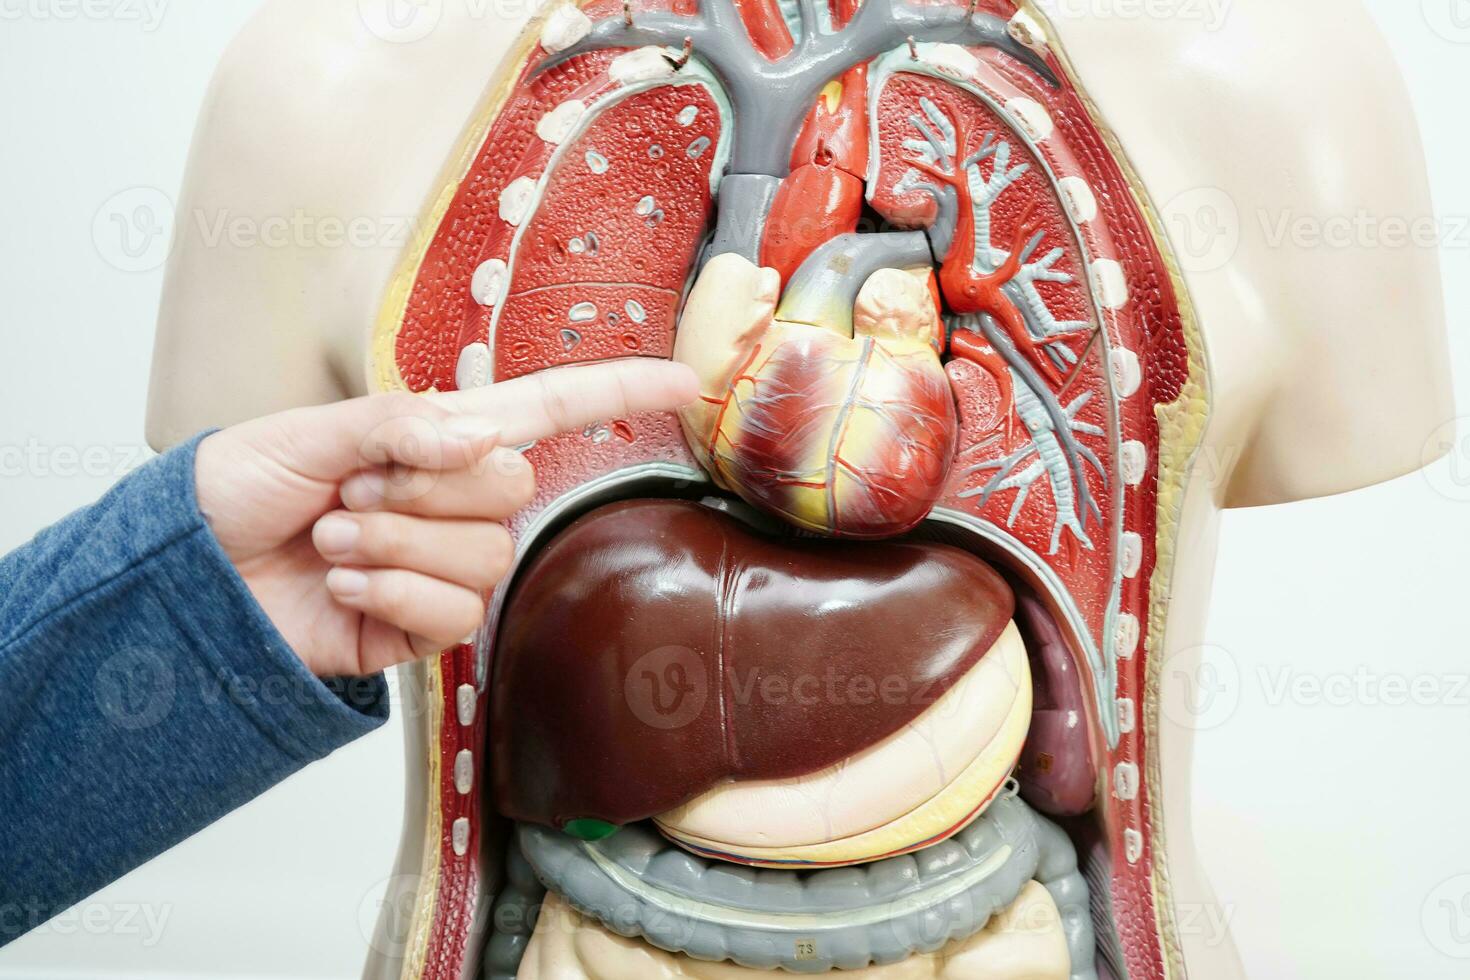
[1356,797]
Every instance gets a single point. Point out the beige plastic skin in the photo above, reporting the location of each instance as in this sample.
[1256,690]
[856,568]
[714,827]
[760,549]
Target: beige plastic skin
[1327,364]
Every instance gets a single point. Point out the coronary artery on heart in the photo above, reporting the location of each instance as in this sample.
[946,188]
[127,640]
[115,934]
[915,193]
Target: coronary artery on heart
[846,425]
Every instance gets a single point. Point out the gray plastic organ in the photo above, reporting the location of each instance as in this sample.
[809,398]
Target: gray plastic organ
[639,885]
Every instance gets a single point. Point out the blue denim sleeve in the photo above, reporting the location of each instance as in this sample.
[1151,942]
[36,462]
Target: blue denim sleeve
[143,694]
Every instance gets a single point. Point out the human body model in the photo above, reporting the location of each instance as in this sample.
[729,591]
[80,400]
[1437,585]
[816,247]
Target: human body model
[1279,341]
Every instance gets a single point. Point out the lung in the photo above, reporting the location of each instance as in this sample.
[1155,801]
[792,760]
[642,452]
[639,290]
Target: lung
[632,149]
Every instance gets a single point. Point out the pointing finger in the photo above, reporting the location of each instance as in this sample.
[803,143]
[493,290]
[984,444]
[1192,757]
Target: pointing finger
[331,441]
[569,399]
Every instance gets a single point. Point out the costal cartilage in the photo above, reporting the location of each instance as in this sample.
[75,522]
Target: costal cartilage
[1025,941]
[913,788]
[833,414]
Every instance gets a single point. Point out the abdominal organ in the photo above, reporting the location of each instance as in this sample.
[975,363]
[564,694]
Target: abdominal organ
[798,678]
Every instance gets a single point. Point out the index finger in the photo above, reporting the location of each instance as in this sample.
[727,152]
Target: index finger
[568,399]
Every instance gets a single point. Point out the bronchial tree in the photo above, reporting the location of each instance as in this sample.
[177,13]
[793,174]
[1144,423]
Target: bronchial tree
[773,75]
[771,97]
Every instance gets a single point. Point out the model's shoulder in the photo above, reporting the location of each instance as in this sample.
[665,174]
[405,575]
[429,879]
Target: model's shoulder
[336,59]
[1280,145]
[1241,49]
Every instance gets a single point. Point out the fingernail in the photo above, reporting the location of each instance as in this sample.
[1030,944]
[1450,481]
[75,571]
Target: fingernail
[474,429]
[346,583]
[337,535]
[365,491]
[509,462]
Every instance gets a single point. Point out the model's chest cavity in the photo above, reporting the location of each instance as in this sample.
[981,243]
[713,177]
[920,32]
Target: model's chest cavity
[922,304]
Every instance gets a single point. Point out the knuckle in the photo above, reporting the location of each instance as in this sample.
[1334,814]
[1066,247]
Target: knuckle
[400,404]
[524,488]
[391,600]
[385,538]
[497,555]
[406,428]
[514,480]
[411,489]
[468,614]
[555,401]
[392,411]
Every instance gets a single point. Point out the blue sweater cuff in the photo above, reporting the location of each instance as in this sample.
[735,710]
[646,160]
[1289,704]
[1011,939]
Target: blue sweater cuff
[249,659]
[144,693]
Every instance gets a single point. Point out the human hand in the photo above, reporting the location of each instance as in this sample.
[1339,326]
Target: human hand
[369,530]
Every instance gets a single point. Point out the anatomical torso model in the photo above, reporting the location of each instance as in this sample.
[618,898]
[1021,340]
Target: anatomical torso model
[853,665]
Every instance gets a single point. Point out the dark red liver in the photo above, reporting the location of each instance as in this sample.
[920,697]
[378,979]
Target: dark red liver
[656,647]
